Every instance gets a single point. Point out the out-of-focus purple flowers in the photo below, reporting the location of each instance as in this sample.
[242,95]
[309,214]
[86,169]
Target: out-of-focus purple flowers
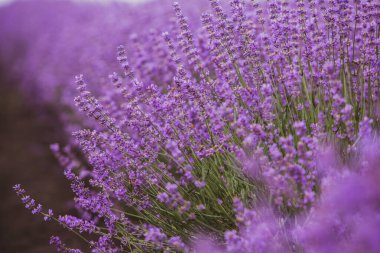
[346,217]
[217,126]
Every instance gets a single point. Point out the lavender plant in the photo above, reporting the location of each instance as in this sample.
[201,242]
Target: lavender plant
[220,129]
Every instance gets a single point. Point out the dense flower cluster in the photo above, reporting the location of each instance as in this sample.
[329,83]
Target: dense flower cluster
[221,128]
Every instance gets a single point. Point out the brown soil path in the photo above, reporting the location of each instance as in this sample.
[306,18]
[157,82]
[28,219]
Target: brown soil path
[25,158]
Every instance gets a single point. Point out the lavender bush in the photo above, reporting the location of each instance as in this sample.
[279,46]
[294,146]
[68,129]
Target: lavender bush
[256,127]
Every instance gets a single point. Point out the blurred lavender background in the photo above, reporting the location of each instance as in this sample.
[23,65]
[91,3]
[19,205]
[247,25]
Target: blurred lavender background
[3,2]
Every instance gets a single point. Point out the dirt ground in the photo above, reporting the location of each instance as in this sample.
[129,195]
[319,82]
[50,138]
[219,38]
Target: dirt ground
[25,134]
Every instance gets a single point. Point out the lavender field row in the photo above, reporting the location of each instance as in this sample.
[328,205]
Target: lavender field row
[208,126]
